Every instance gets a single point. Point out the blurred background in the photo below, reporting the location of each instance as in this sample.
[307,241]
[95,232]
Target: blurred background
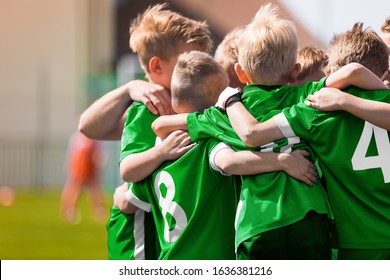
[58,56]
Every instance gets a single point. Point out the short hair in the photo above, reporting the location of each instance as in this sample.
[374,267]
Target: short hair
[268,47]
[159,32]
[226,54]
[385,28]
[311,59]
[198,80]
[361,46]
[227,51]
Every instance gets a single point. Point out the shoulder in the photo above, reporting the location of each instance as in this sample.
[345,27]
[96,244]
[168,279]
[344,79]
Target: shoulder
[139,111]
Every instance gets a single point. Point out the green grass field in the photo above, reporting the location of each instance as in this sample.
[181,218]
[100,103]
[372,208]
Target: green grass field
[32,229]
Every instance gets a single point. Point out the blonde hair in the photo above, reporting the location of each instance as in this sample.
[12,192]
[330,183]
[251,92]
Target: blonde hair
[312,59]
[159,32]
[385,28]
[226,54]
[268,47]
[197,80]
[361,46]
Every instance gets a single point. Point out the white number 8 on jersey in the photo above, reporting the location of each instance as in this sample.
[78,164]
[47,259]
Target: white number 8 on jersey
[169,206]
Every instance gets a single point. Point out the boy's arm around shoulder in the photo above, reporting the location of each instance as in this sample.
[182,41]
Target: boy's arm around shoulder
[104,119]
[354,74]
[164,125]
[331,99]
[296,164]
[249,129]
[137,166]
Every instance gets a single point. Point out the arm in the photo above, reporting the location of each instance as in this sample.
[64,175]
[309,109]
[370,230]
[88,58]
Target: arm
[121,201]
[164,125]
[252,132]
[104,119]
[250,163]
[354,74]
[136,167]
[329,99]
[249,129]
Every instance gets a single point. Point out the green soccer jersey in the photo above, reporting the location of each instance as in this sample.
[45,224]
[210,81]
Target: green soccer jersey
[271,200]
[193,206]
[138,135]
[355,158]
[131,236]
[134,236]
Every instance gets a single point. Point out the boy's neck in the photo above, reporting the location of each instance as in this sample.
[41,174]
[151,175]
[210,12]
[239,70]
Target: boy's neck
[270,84]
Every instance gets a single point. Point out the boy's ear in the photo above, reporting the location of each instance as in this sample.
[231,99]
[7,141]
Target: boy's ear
[241,73]
[155,65]
[294,73]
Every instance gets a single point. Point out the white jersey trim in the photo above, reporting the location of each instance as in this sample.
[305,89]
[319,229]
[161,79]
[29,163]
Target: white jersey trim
[284,125]
[217,148]
[130,196]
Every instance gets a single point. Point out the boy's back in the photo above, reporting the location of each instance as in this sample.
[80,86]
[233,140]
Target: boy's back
[364,150]
[194,206]
[267,62]
[357,163]
[158,36]
[283,199]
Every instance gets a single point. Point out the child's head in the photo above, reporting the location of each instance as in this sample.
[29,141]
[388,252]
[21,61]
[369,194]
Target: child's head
[268,49]
[385,28]
[361,46]
[313,62]
[197,81]
[158,36]
[227,55]
[386,38]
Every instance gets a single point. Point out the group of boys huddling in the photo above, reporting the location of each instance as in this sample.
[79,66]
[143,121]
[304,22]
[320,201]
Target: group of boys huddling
[270,176]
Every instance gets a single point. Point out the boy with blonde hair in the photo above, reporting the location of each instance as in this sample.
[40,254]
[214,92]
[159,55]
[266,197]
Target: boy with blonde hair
[192,202]
[355,158]
[158,36]
[277,217]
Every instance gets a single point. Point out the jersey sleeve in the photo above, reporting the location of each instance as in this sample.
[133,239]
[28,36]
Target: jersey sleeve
[220,146]
[213,123]
[296,121]
[137,196]
[137,135]
[312,87]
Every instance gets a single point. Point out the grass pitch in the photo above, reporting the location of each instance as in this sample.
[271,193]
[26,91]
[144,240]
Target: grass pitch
[32,229]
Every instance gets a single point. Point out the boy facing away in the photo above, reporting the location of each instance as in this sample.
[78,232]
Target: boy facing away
[193,204]
[158,36]
[277,217]
[313,62]
[353,153]
[226,54]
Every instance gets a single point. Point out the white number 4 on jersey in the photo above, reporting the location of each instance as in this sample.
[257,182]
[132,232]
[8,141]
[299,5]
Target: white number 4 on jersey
[362,162]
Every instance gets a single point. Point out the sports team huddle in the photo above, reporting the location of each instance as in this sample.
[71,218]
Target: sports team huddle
[262,151]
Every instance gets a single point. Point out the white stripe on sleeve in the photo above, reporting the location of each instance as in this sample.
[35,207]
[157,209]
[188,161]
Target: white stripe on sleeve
[284,126]
[217,148]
